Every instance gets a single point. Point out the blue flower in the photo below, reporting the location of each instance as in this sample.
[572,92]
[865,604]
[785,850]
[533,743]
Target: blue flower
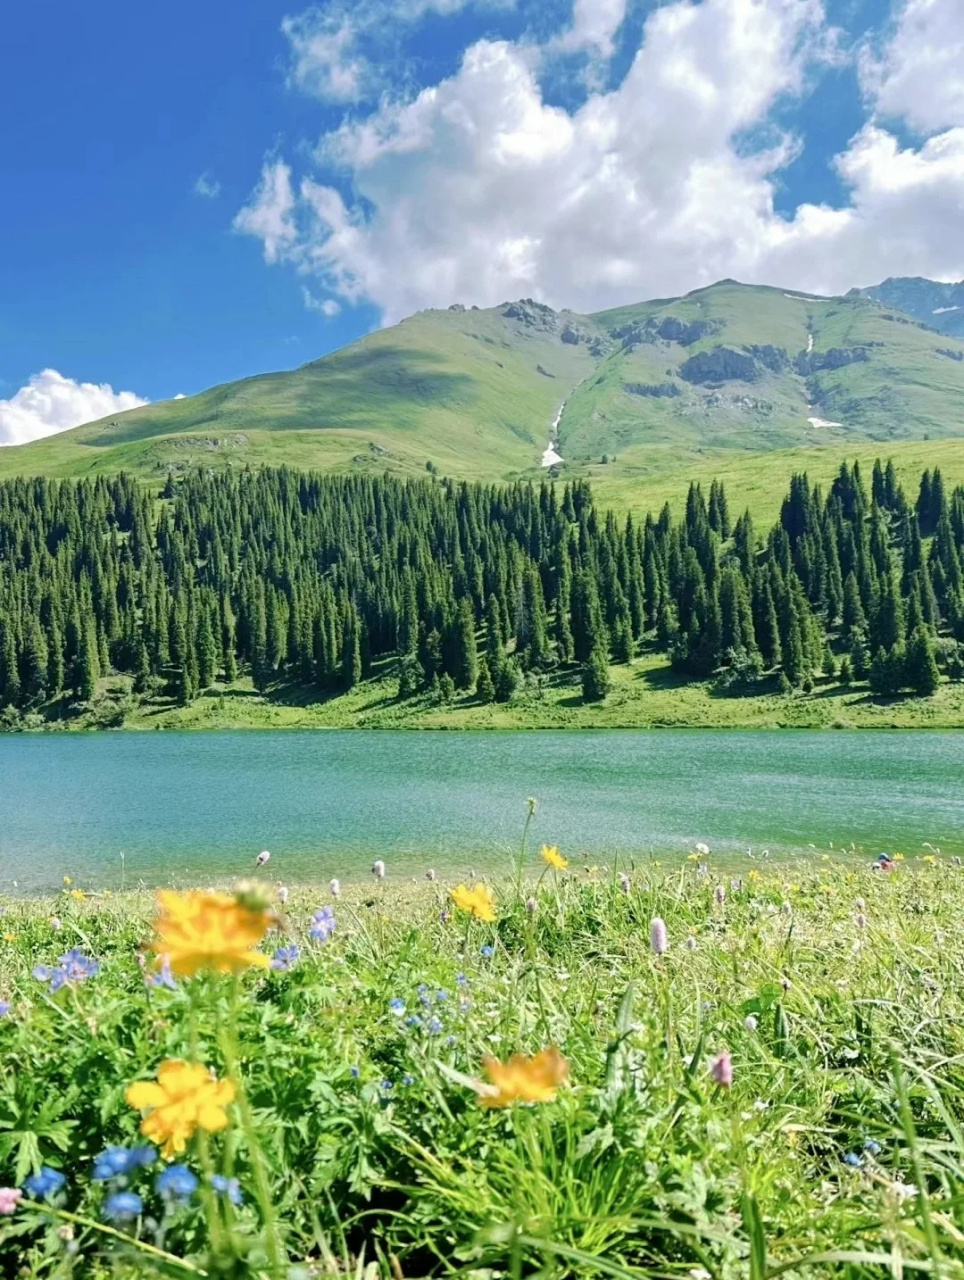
[487,951]
[229,1187]
[118,1162]
[123,1206]
[441,996]
[871,1147]
[387,1085]
[434,1026]
[450,1039]
[853,1160]
[45,1183]
[355,1072]
[323,925]
[177,1182]
[74,966]
[461,979]
[397,1006]
[5,1007]
[414,1021]
[408,1079]
[285,958]
[163,977]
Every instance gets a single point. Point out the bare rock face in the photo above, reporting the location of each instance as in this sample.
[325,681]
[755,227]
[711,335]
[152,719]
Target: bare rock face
[808,362]
[534,315]
[668,329]
[722,364]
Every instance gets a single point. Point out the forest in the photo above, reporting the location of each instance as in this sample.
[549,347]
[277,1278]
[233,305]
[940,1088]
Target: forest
[301,579]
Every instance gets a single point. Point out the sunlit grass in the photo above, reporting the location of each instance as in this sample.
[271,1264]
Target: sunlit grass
[834,989]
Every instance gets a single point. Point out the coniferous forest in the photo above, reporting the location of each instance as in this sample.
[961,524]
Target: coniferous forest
[307,580]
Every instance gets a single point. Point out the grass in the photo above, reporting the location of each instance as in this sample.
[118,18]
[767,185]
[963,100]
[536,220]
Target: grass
[646,693]
[359,1141]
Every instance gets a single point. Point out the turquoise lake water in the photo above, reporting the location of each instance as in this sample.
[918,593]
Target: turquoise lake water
[192,807]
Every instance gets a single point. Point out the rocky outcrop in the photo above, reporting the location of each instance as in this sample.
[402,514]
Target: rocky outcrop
[773,358]
[534,315]
[722,364]
[951,355]
[808,362]
[669,329]
[660,390]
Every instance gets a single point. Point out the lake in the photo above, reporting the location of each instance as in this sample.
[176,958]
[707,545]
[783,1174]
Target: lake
[192,807]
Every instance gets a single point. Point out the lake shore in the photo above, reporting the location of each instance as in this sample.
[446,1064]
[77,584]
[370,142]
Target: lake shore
[645,694]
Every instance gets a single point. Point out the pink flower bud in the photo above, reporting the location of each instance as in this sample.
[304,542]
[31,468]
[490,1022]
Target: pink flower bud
[657,936]
[722,1070]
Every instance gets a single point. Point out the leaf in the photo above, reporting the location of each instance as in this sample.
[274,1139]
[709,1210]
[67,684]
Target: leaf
[753,1224]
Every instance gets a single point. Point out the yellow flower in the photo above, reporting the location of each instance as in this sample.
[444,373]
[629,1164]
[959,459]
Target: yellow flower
[553,858]
[693,857]
[78,895]
[523,1079]
[10,937]
[67,880]
[929,857]
[754,875]
[185,1097]
[478,900]
[201,930]
[826,888]
[898,857]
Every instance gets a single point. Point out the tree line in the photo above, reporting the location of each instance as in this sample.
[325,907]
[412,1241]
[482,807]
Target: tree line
[309,579]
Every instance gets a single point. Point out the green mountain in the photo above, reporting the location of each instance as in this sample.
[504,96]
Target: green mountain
[480,393]
[940,306]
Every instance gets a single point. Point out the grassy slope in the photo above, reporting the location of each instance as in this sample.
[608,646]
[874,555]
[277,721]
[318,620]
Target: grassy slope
[645,694]
[474,393]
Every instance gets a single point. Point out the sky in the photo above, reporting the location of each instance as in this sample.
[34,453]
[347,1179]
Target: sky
[193,193]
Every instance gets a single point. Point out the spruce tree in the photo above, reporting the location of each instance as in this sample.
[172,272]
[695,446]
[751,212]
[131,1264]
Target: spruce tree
[920,669]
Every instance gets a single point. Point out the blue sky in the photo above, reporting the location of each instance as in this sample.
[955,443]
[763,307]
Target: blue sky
[195,193]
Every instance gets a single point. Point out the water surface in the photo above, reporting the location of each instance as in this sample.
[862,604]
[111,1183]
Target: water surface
[190,807]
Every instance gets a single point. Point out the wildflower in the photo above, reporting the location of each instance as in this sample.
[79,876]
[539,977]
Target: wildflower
[487,952]
[185,1097]
[871,1147]
[354,1072]
[283,894]
[441,996]
[423,995]
[413,1021]
[691,943]
[553,858]
[123,1206]
[928,857]
[523,1079]
[65,1233]
[78,895]
[702,848]
[860,920]
[200,930]
[719,895]
[532,906]
[10,1197]
[67,880]
[722,1070]
[73,966]
[177,1182]
[45,1183]
[378,869]
[163,977]
[478,901]
[229,1187]
[625,884]
[853,1160]
[396,1006]
[285,958]
[750,1022]
[119,1162]
[736,884]
[334,887]
[461,979]
[322,925]
[387,1086]
[434,1026]
[430,874]
[658,939]
[5,1007]
[56,924]
[444,916]
[407,1080]
[754,876]
[903,1190]
[786,909]
[860,904]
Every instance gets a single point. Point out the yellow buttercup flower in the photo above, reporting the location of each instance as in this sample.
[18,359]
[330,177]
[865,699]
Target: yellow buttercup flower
[523,1079]
[184,1098]
[928,857]
[478,900]
[200,930]
[553,858]
[67,880]
[78,895]
[754,876]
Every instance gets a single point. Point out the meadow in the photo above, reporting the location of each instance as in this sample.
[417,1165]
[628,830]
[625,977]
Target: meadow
[678,1069]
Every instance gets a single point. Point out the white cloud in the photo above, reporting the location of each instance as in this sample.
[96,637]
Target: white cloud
[50,403]
[479,189]
[324,306]
[207,187]
[920,75]
[594,24]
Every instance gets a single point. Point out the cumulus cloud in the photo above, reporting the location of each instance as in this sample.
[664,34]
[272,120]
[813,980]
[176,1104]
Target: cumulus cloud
[324,306]
[479,189]
[50,403]
[594,24]
[920,75]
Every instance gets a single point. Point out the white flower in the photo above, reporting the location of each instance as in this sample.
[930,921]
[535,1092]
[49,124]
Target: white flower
[282,894]
[430,874]
[903,1190]
[750,1022]
[378,869]
[658,939]
[334,887]
[702,848]
[691,943]
[859,904]
[55,924]
[262,858]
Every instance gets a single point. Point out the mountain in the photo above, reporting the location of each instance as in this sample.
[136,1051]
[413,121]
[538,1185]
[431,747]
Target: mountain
[939,306]
[482,393]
